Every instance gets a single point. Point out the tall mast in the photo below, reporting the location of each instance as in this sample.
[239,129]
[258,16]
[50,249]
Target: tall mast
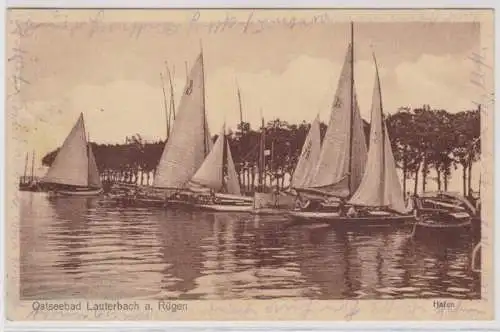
[172,99]
[224,158]
[261,154]
[204,109]
[352,111]
[33,166]
[382,123]
[271,167]
[26,166]
[167,116]
[239,103]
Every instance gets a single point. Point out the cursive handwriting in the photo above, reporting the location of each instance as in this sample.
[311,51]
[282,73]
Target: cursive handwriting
[479,75]
[17,61]
[96,24]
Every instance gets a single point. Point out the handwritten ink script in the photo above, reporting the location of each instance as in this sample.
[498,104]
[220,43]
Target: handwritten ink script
[478,76]
[97,24]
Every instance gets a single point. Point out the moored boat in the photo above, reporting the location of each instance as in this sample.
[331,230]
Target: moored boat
[188,144]
[215,184]
[76,192]
[334,169]
[347,178]
[275,203]
[31,182]
[369,218]
[74,170]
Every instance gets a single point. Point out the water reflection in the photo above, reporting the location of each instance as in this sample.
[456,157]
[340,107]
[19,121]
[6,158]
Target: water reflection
[81,247]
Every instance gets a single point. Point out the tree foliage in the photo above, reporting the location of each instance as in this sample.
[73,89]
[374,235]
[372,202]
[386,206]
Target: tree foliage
[422,139]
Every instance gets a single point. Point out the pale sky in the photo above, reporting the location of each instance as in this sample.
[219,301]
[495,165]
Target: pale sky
[290,73]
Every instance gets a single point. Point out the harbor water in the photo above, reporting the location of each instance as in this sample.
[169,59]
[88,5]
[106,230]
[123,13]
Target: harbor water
[89,248]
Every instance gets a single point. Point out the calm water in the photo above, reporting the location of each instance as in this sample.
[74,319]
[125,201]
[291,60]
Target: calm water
[80,247]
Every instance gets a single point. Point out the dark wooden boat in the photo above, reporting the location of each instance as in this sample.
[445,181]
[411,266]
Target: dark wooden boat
[443,212]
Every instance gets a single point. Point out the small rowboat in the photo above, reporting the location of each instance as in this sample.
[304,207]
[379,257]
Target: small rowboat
[446,220]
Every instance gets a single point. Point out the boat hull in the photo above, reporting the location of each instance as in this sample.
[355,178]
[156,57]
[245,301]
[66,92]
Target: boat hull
[443,226]
[225,207]
[80,192]
[268,211]
[445,219]
[336,218]
[445,222]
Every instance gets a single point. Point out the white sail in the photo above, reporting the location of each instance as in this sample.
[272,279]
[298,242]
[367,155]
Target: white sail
[189,141]
[94,178]
[339,155]
[209,175]
[232,183]
[70,167]
[380,183]
[309,156]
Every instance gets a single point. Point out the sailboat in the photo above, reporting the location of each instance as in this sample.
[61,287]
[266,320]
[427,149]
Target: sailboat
[189,141]
[29,182]
[309,156]
[379,193]
[74,170]
[336,173]
[215,184]
[308,159]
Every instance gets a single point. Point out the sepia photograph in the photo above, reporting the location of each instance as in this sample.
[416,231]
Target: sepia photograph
[179,156]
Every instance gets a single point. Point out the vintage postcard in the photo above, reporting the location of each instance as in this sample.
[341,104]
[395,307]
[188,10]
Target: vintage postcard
[251,165]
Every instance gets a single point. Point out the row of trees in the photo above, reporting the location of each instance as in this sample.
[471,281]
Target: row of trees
[422,139]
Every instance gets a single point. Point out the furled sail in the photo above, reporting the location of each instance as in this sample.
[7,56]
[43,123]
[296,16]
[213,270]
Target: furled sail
[71,165]
[308,157]
[189,141]
[380,185]
[341,155]
[94,178]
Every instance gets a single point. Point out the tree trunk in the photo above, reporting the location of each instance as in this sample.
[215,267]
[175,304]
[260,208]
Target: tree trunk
[464,178]
[425,170]
[470,179]
[148,177]
[277,182]
[238,173]
[415,189]
[404,183]
[249,183]
[253,179]
[438,173]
